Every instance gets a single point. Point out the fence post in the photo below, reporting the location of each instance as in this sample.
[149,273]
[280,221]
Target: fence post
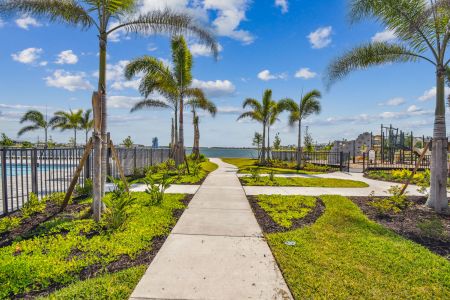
[135,158]
[341,158]
[364,162]
[162,156]
[151,156]
[4,183]
[108,156]
[87,167]
[34,171]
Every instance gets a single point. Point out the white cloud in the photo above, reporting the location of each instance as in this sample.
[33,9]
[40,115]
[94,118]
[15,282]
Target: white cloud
[2,23]
[232,110]
[152,47]
[217,88]
[21,106]
[124,102]
[67,57]
[68,81]
[115,75]
[305,73]
[202,50]
[384,36]
[283,4]
[413,108]
[393,102]
[265,75]
[321,38]
[26,21]
[431,94]
[27,56]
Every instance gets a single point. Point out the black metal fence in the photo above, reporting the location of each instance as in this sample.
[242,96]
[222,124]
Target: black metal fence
[338,160]
[379,162]
[46,171]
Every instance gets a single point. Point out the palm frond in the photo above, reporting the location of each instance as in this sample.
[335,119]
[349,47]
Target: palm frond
[62,11]
[365,56]
[149,103]
[253,103]
[34,116]
[182,61]
[28,129]
[251,115]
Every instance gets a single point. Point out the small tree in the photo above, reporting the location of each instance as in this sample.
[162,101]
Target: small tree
[128,142]
[6,141]
[257,142]
[277,142]
[309,143]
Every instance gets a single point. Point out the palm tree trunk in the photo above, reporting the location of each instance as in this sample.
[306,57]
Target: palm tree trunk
[196,146]
[439,169]
[263,150]
[299,144]
[268,142]
[74,138]
[87,134]
[180,156]
[46,138]
[172,138]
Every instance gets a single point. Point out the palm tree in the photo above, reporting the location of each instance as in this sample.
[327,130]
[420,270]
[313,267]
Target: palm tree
[107,17]
[309,104]
[261,113]
[87,123]
[38,122]
[197,101]
[422,29]
[68,121]
[276,108]
[174,85]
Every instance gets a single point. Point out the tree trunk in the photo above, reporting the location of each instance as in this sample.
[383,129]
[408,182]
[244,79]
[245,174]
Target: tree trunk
[46,138]
[172,139]
[263,149]
[439,168]
[74,138]
[299,144]
[268,142]
[196,146]
[180,156]
[87,134]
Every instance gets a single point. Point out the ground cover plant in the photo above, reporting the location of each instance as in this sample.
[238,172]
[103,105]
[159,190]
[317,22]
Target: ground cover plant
[198,170]
[72,247]
[400,176]
[256,180]
[338,255]
[246,165]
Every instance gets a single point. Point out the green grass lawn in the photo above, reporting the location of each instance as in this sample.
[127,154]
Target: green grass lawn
[302,182]
[63,247]
[344,255]
[246,165]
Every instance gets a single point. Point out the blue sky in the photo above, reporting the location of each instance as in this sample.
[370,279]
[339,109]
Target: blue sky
[284,45]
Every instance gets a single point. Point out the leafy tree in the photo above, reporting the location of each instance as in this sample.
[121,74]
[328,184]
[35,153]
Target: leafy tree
[197,101]
[260,112]
[27,144]
[37,120]
[6,141]
[87,123]
[128,142]
[277,142]
[108,17]
[309,104]
[309,143]
[276,108]
[70,120]
[422,28]
[257,142]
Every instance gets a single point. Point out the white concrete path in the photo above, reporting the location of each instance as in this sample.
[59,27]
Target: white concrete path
[216,250]
[378,187]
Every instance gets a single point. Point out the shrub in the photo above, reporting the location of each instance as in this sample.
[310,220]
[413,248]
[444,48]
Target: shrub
[195,168]
[157,191]
[433,228]
[33,206]
[393,204]
[118,204]
[272,175]
[254,174]
[57,198]
[86,189]
[9,223]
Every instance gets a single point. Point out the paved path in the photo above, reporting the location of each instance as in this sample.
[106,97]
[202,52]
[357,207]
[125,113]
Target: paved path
[216,250]
[377,186]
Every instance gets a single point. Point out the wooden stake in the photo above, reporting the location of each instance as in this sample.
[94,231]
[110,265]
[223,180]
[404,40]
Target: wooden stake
[119,165]
[74,181]
[422,156]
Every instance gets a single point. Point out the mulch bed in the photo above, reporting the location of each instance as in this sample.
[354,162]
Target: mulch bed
[268,225]
[124,262]
[405,224]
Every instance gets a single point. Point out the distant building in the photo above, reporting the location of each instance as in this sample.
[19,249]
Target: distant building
[155,142]
[356,147]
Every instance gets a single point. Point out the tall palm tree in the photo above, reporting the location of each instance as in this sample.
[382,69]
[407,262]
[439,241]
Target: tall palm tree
[197,100]
[68,121]
[422,28]
[309,104]
[87,123]
[107,17]
[276,108]
[174,84]
[38,122]
[260,112]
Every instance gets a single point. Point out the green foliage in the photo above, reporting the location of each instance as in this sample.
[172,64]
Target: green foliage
[118,205]
[27,144]
[433,228]
[157,190]
[195,169]
[86,189]
[67,246]
[9,223]
[302,182]
[279,167]
[277,142]
[32,206]
[128,142]
[344,255]
[309,143]
[57,198]
[6,141]
[272,176]
[394,204]
[421,178]
[254,175]
[118,285]
[284,209]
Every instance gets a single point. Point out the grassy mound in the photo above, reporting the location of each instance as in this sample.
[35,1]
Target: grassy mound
[248,165]
[302,182]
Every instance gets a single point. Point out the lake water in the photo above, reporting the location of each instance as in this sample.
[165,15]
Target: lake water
[227,152]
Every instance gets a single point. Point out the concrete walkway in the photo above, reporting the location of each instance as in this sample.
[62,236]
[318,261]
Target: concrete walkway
[216,250]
